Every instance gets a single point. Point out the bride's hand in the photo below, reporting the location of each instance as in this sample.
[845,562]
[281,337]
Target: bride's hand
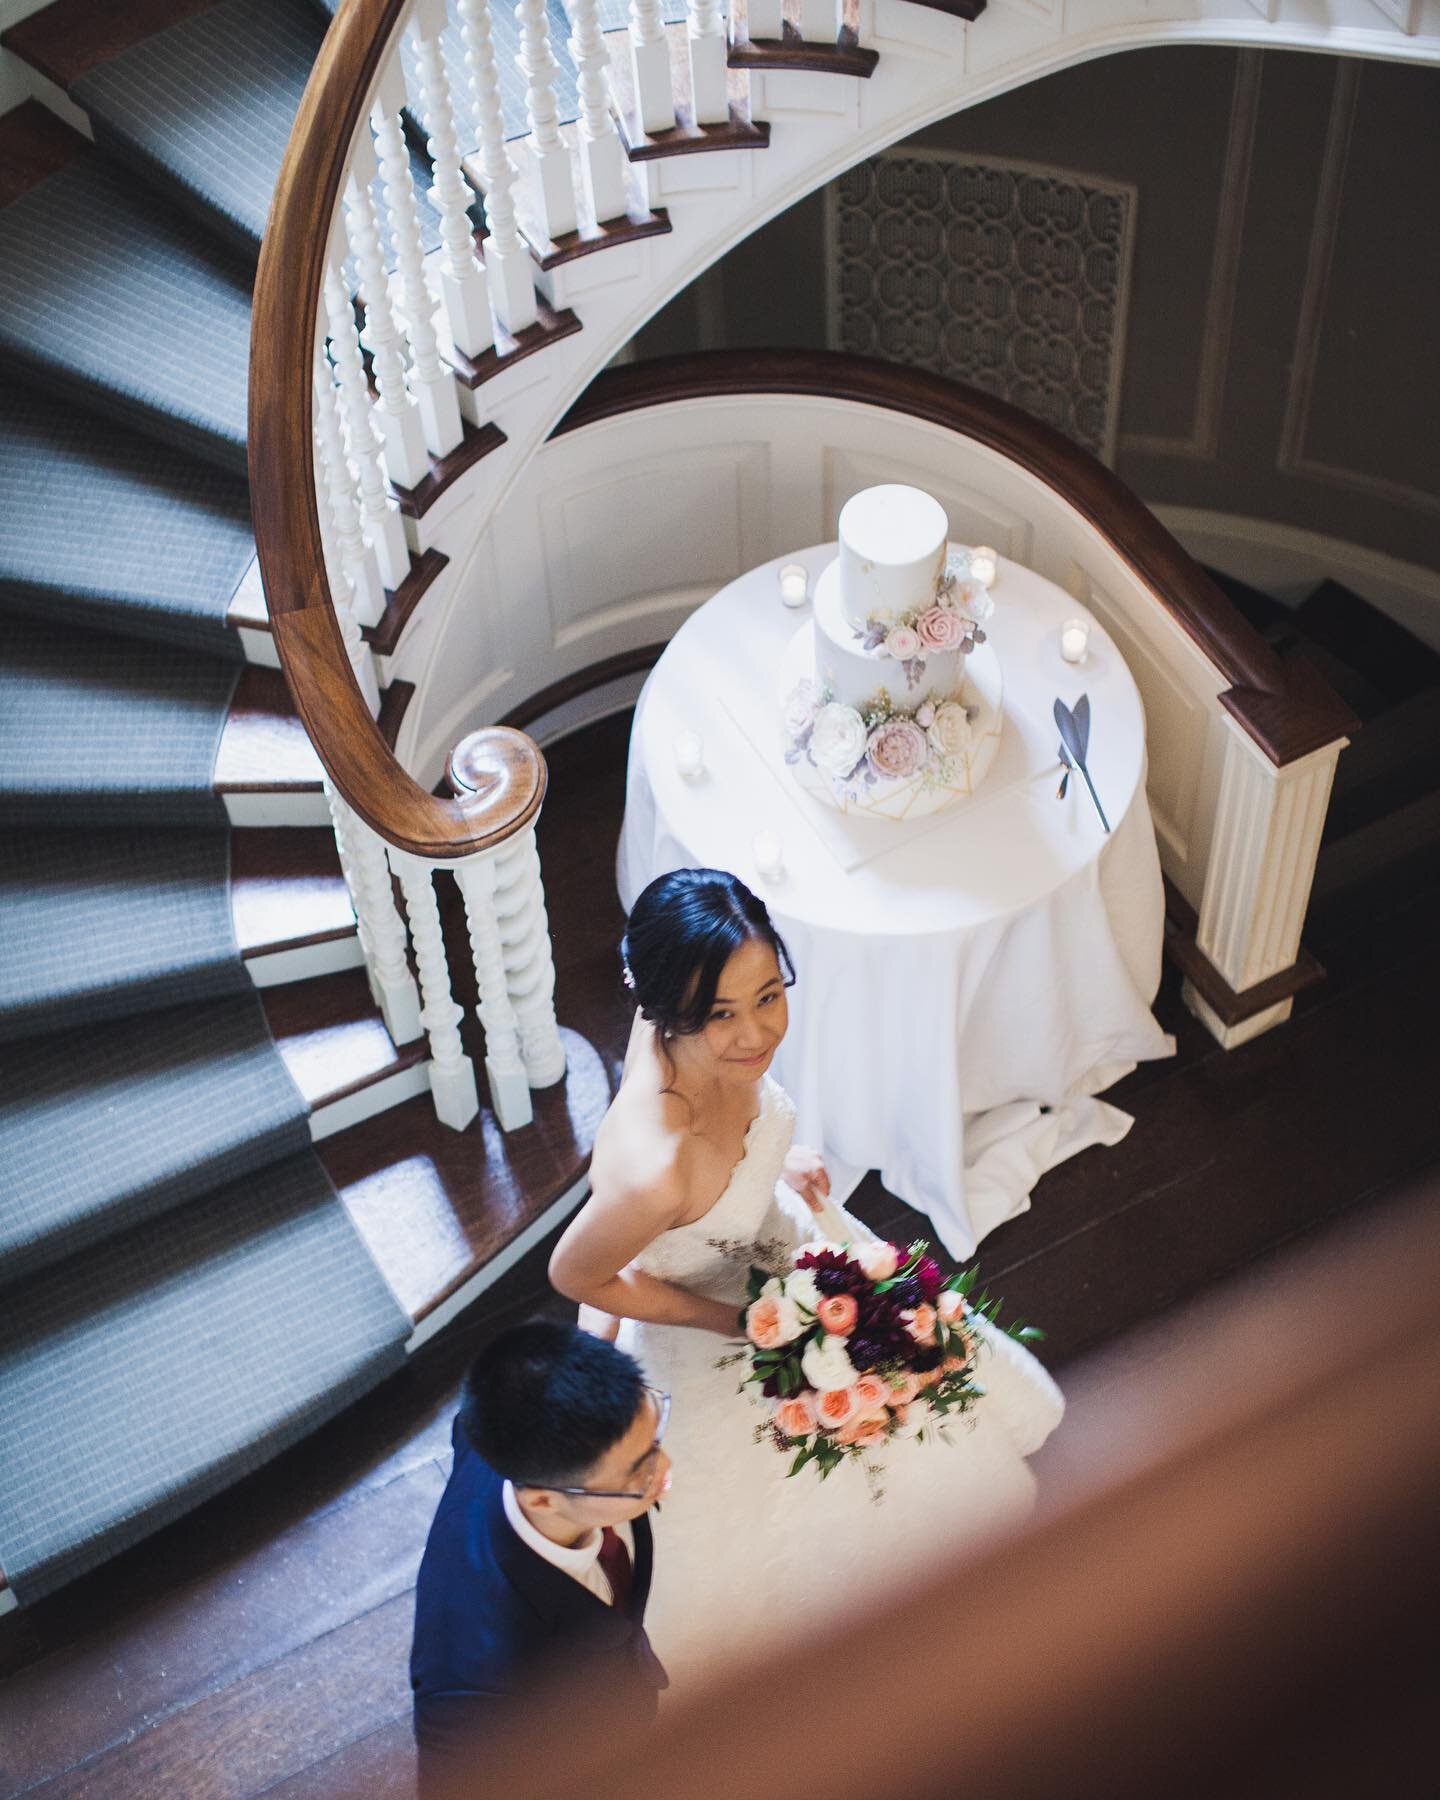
[804,1171]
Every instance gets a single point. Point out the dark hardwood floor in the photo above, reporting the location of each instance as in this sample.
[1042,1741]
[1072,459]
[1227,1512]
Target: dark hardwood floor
[260,1645]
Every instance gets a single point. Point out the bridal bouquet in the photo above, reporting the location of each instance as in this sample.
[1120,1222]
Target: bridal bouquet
[855,1347]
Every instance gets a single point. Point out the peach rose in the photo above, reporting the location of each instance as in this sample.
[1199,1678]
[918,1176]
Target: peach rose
[878,1261]
[838,1313]
[772,1320]
[796,1417]
[941,629]
[835,1408]
[865,1431]
[952,1365]
[871,1393]
[920,1323]
[950,1305]
[905,1390]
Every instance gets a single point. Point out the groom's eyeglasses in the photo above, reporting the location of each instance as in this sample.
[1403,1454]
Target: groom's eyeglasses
[643,1469]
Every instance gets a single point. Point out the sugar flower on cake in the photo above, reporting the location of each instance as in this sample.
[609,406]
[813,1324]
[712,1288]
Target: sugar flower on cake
[902,642]
[897,749]
[949,730]
[942,628]
[801,705]
[837,738]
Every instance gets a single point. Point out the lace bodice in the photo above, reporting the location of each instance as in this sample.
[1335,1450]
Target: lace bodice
[749,1223]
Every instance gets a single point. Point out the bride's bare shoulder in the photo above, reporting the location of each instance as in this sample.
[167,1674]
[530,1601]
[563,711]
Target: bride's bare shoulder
[642,1146]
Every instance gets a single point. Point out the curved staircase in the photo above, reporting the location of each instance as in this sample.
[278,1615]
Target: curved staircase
[187,1283]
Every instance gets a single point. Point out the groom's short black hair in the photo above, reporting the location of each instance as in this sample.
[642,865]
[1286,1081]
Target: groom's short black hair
[543,1402]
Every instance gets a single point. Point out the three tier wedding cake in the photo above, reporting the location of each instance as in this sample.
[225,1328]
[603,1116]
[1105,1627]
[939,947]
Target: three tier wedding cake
[892,694]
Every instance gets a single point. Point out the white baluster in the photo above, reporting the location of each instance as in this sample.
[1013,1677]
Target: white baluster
[554,188]
[381,929]
[379,515]
[602,159]
[462,275]
[820,20]
[529,965]
[430,378]
[452,1074]
[504,1065]
[765,21]
[650,60]
[367,592]
[507,261]
[397,411]
[709,50]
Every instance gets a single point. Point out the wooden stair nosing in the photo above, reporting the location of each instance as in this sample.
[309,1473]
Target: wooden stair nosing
[281,876]
[968,10]
[638,222]
[846,56]
[476,443]
[401,602]
[68,38]
[508,349]
[686,138]
[263,745]
[331,1037]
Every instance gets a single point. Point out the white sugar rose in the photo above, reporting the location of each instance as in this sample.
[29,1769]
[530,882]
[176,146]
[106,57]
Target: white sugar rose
[974,601]
[949,731]
[826,1365]
[878,1261]
[838,740]
[903,642]
[800,1287]
[801,704]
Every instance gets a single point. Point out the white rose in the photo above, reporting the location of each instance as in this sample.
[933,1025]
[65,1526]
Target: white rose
[826,1365]
[800,1287]
[950,1305]
[837,741]
[879,1261]
[772,1289]
[949,732]
[918,1414]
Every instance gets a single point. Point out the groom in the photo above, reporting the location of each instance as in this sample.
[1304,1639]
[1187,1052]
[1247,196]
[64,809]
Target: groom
[539,1558]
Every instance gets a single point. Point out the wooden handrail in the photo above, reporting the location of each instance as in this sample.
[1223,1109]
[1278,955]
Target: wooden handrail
[1286,707]
[282,473]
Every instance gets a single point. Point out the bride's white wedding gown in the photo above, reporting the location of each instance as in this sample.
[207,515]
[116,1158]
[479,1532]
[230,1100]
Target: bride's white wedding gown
[744,1555]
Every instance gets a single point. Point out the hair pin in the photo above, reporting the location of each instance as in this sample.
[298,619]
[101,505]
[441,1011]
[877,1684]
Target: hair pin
[627,977]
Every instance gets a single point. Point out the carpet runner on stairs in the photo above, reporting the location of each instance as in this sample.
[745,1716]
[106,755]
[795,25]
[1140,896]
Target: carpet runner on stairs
[139,1381]
[100,924]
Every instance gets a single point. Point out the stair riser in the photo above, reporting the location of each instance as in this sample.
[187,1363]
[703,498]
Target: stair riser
[304,808]
[279,967]
[259,648]
[378,1097]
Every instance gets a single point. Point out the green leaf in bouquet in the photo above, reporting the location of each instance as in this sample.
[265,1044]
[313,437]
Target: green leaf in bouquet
[756,1282]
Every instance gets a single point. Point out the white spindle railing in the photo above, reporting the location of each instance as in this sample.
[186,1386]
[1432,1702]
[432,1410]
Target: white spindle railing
[380,926]
[379,515]
[650,61]
[765,21]
[355,582]
[504,1062]
[553,188]
[709,51]
[529,966]
[602,157]
[452,1074]
[507,261]
[462,275]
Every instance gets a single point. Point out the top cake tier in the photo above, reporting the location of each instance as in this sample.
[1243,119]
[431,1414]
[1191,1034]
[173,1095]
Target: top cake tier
[893,541]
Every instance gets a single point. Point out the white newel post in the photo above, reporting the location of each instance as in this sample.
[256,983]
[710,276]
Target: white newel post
[406,459]
[431,379]
[765,21]
[462,275]
[554,183]
[1262,861]
[820,20]
[709,49]
[381,929]
[529,964]
[602,158]
[650,60]
[504,1064]
[507,261]
[355,561]
[452,1074]
[379,515]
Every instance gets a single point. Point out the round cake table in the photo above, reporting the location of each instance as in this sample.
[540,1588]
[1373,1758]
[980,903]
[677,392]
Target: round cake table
[969,981]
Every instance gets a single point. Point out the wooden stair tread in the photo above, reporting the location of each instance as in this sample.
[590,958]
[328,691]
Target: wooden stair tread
[477,442]
[685,137]
[287,889]
[263,746]
[435,1205]
[846,56]
[509,349]
[332,1039]
[400,602]
[70,37]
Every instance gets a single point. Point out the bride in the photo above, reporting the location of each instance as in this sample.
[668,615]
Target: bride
[694,1178]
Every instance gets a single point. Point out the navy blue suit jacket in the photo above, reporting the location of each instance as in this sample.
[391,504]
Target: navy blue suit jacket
[493,1619]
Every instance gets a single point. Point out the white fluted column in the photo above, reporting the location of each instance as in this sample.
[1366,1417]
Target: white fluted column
[431,380]
[380,519]
[381,929]
[507,261]
[462,275]
[396,410]
[554,184]
[650,61]
[452,1074]
[709,49]
[1264,845]
[765,21]
[529,964]
[602,157]
[504,1064]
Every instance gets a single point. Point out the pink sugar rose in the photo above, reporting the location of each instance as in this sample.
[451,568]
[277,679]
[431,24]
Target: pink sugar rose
[835,1408]
[902,642]
[942,628]
[879,1261]
[920,1323]
[772,1320]
[796,1417]
[897,748]
[838,1313]
[871,1393]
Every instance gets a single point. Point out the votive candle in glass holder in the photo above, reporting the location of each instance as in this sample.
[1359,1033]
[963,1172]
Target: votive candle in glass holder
[794,584]
[984,565]
[1074,639]
[769,854]
[689,754]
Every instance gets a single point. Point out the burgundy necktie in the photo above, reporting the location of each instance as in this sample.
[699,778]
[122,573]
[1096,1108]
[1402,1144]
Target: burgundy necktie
[614,1559]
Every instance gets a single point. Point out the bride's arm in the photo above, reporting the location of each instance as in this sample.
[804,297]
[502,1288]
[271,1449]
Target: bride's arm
[593,1262]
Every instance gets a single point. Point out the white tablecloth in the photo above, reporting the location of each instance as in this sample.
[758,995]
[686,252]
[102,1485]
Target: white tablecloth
[967,982]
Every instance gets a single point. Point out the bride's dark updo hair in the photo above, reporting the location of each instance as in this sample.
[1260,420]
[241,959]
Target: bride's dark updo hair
[683,930]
